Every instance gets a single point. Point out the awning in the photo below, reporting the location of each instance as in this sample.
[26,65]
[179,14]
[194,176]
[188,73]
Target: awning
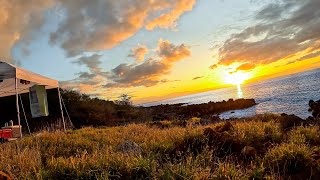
[26,79]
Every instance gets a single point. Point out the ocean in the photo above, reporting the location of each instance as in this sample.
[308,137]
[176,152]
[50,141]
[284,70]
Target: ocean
[289,94]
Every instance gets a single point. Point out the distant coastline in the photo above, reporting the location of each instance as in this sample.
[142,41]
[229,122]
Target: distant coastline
[287,94]
[158,102]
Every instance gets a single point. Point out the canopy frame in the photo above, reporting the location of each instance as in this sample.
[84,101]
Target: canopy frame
[9,73]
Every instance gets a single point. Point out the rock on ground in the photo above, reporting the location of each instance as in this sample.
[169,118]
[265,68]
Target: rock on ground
[289,121]
[128,146]
[314,108]
[249,151]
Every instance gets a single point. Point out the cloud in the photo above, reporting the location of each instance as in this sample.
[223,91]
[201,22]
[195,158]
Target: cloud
[214,66]
[198,77]
[86,75]
[171,53]
[18,20]
[85,26]
[149,72]
[270,12]
[169,19]
[281,31]
[87,82]
[102,24]
[139,52]
[145,74]
[308,56]
[92,62]
[245,67]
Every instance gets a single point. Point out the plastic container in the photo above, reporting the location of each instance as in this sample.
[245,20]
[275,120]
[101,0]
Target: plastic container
[6,133]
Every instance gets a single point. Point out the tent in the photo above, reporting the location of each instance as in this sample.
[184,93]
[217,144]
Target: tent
[13,82]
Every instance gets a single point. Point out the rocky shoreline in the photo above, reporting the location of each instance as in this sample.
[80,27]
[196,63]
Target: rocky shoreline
[314,107]
[205,110]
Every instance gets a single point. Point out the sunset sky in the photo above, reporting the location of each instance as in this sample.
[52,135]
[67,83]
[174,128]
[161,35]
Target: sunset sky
[159,49]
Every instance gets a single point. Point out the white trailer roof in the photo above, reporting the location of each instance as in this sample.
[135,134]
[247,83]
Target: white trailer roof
[8,74]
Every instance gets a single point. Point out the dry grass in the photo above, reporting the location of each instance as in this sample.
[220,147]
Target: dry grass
[91,153]
[253,132]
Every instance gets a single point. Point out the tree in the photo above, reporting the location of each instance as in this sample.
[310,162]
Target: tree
[124,99]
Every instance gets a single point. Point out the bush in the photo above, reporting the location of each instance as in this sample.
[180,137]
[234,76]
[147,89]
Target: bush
[256,134]
[308,135]
[289,159]
[192,152]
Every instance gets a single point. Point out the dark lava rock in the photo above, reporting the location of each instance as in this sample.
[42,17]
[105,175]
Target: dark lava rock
[204,121]
[210,120]
[192,144]
[208,132]
[215,118]
[226,127]
[315,108]
[163,112]
[249,151]
[223,142]
[211,135]
[289,121]
[218,139]
[229,144]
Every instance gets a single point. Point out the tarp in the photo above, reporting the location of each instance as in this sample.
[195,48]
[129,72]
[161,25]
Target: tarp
[8,74]
[38,101]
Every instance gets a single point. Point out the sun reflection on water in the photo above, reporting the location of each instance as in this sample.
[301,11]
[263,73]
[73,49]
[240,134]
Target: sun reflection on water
[239,91]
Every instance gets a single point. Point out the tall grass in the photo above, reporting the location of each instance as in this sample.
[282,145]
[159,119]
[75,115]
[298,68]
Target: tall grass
[91,153]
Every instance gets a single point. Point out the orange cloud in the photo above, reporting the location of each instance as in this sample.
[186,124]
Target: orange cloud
[214,66]
[171,53]
[103,24]
[149,72]
[245,67]
[169,19]
[283,30]
[17,20]
[139,52]
[86,26]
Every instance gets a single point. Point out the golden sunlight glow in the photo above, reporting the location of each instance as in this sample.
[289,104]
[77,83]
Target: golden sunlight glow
[236,78]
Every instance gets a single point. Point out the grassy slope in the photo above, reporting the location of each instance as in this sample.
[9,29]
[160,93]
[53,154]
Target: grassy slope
[90,153]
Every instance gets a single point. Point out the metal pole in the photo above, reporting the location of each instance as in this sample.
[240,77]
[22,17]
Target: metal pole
[64,125]
[24,113]
[17,105]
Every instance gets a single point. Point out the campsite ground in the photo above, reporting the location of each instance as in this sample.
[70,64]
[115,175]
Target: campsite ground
[263,147]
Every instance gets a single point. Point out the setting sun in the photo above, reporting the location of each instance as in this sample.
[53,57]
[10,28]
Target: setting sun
[159,89]
[236,78]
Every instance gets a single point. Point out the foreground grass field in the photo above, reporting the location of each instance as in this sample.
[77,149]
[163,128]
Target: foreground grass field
[255,148]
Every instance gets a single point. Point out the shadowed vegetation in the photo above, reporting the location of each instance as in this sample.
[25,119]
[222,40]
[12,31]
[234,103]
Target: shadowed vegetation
[87,111]
[249,148]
